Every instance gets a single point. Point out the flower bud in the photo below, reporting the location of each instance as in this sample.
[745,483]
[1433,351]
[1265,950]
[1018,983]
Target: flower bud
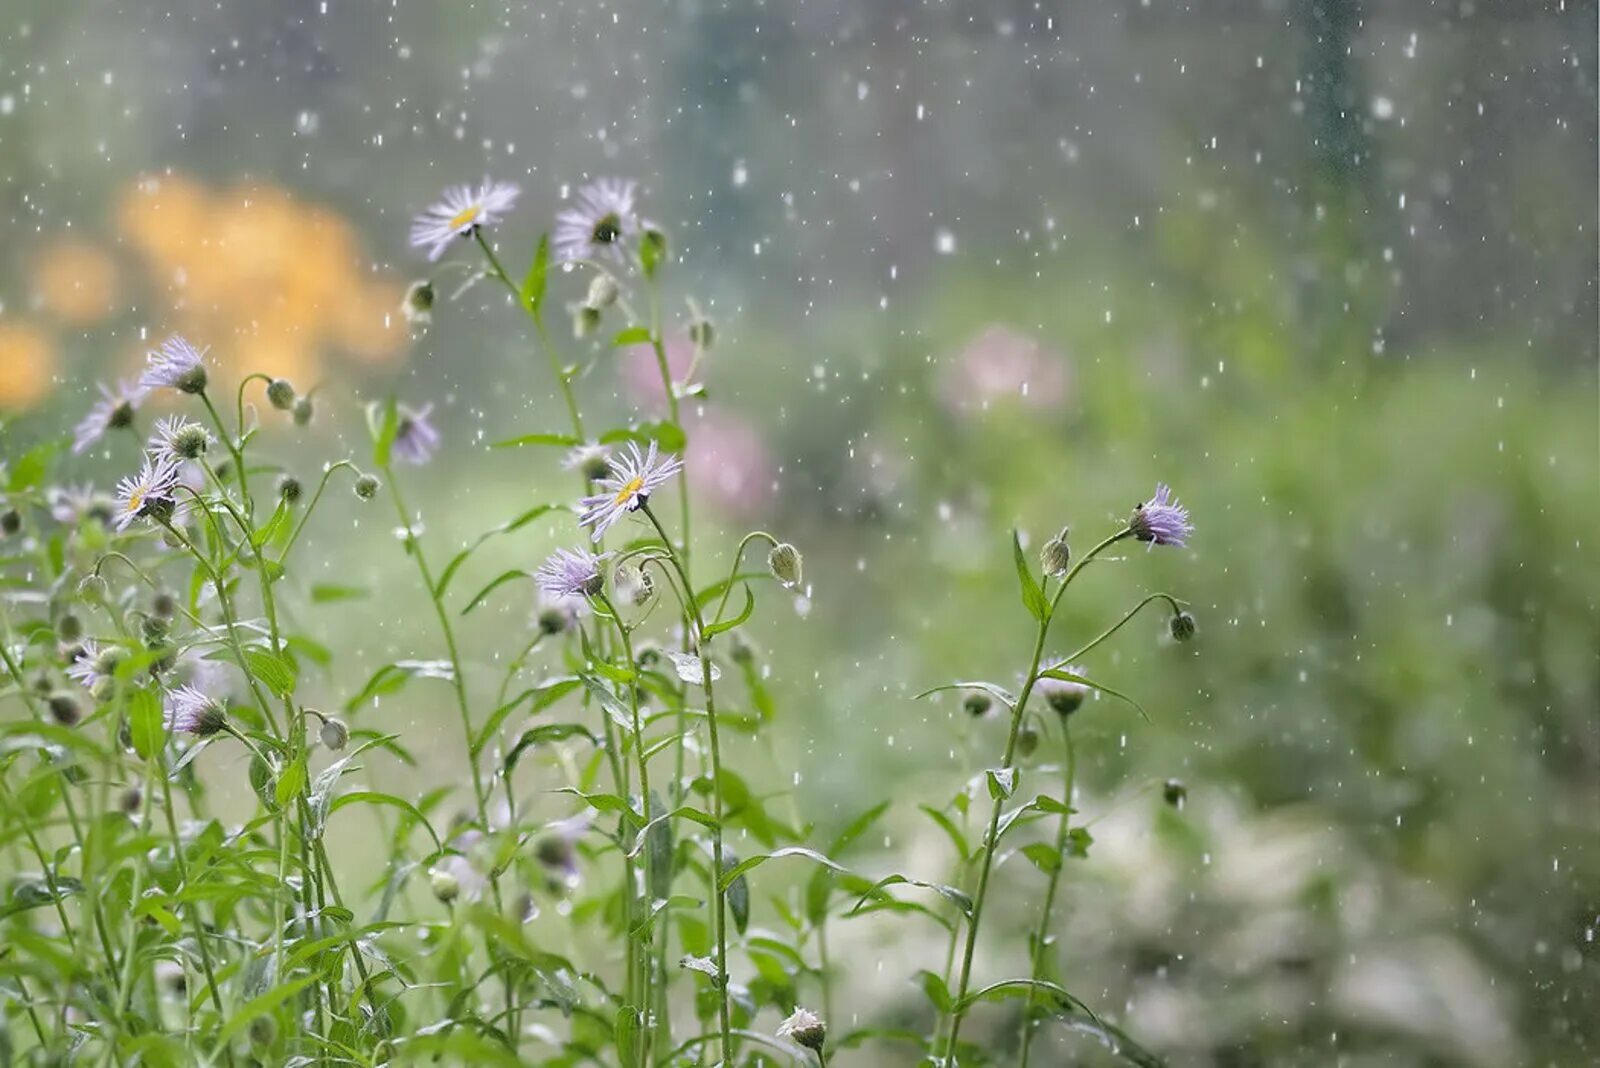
[334,733]
[417,306]
[367,487]
[977,704]
[602,292]
[806,1028]
[121,416]
[302,411]
[1063,695]
[190,441]
[634,585]
[289,489]
[193,380]
[93,588]
[153,629]
[702,333]
[10,522]
[585,321]
[131,801]
[164,604]
[446,887]
[64,708]
[263,1031]
[1055,556]
[69,628]
[1174,792]
[280,394]
[1027,741]
[784,563]
[1182,626]
[740,651]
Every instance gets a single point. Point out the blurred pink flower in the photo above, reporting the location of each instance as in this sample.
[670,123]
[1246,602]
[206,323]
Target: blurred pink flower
[729,465]
[1000,363]
[641,377]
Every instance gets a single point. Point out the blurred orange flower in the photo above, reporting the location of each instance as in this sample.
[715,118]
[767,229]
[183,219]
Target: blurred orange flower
[27,365]
[76,281]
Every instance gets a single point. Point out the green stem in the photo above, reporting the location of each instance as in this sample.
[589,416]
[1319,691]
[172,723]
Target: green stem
[1063,831]
[191,908]
[987,848]
[696,631]
[234,450]
[1109,631]
[560,373]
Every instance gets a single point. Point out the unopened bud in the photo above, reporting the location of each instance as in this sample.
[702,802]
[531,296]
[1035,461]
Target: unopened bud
[784,562]
[1055,556]
[446,887]
[585,321]
[702,333]
[1174,792]
[10,521]
[1183,626]
[334,733]
[602,292]
[69,628]
[64,708]
[280,394]
[289,489]
[302,411]
[417,306]
[977,704]
[1027,741]
[367,487]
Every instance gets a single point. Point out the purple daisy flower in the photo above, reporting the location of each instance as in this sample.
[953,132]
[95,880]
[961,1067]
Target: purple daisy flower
[178,438]
[175,365]
[570,573]
[599,223]
[113,411]
[1161,520]
[151,489]
[459,213]
[628,487]
[95,668]
[415,437]
[190,711]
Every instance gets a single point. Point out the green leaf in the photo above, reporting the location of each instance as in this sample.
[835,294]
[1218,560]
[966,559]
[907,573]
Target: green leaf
[543,696]
[278,523]
[949,893]
[561,440]
[999,693]
[934,987]
[668,435]
[325,592]
[545,734]
[500,580]
[1044,857]
[374,797]
[291,781]
[1032,596]
[1078,842]
[736,888]
[145,723]
[383,423]
[30,469]
[712,630]
[261,1006]
[703,965]
[1068,676]
[1002,782]
[393,677]
[633,335]
[278,673]
[948,826]
[738,870]
[504,528]
[532,289]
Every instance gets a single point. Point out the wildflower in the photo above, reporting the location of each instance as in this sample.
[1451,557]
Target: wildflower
[180,439]
[94,668]
[806,1028]
[784,563]
[592,461]
[415,438]
[1183,626]
[334,733]
[1055,556]
[192,712]
[1064,695]
[113,411]
[628,487]
[150,492]
[367,486]
[280,394]
[570,573]
[459,213]
[70,505]
[1161,520]
[417,304]
[600,222]
[175,365]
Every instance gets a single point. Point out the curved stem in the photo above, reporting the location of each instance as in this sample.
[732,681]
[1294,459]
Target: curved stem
[1063,831]
[1109,631]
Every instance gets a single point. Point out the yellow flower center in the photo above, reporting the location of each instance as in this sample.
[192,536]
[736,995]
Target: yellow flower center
[135,501]
[626,493]
[466,217]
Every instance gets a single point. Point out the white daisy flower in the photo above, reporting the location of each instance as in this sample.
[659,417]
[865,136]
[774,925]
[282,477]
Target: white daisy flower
[152,488]
[459,212]
[113,411]
[633,479]
[600,223]
[175,365]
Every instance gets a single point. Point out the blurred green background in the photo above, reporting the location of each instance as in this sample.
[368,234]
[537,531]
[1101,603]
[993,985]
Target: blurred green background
[1327,268]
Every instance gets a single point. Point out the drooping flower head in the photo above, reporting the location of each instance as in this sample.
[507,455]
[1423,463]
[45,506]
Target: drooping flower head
[628,487]
[151,491]
[190,711]
[590,460]
[415,437]
[806,1028]
[459,212]
[179,438]
[599,223]
[113,411]
[1161,520]
[570,573]
[73,504]
[95,667]
[175,365]
[1063,695]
